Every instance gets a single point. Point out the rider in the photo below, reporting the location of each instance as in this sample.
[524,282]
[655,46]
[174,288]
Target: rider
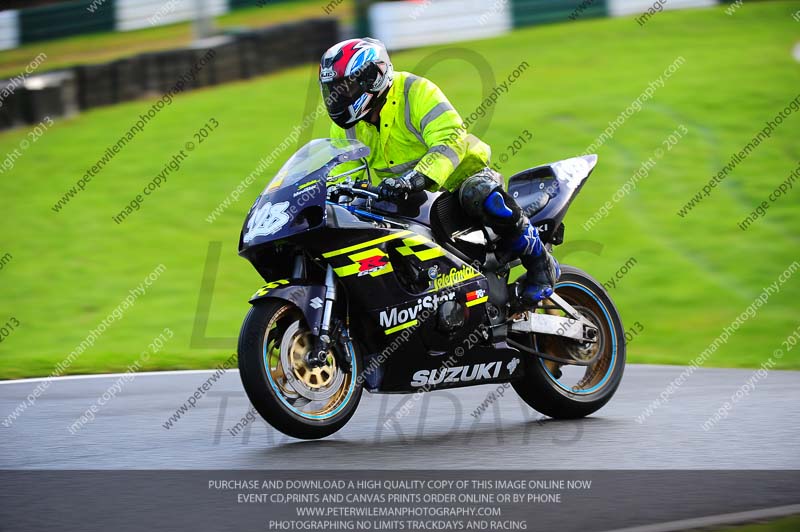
[418,141]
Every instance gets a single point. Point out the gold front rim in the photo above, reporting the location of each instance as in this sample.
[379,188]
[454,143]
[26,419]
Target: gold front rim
[291,374]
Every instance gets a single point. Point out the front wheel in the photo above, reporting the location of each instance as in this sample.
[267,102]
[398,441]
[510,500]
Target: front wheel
[569,391]
[298,400]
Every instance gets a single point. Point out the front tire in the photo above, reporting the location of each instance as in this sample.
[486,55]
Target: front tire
[302,402]
[544,386]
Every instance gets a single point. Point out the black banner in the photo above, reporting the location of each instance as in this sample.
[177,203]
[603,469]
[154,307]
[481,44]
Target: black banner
[339,500]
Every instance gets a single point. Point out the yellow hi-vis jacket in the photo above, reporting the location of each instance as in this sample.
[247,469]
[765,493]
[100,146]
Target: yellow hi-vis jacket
[419,130]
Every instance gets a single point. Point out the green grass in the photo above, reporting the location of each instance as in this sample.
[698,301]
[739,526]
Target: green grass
[100,47]
[693,277]
[787,524]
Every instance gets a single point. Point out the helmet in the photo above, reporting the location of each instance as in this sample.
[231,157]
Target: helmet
[354,76]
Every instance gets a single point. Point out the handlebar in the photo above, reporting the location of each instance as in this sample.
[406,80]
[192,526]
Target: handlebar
[364,191]
[370,193]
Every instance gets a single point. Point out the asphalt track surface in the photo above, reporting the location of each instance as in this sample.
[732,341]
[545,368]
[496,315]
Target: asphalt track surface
[721,477]
[437,431]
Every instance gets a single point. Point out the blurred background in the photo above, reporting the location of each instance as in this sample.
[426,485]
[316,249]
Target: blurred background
[102,98]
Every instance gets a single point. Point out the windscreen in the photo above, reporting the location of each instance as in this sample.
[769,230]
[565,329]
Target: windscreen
[313,156]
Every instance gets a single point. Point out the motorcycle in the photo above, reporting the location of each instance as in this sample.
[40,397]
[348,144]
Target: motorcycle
[398,297]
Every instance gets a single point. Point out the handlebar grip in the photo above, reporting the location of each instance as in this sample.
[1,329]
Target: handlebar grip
[360,190]
[365,185]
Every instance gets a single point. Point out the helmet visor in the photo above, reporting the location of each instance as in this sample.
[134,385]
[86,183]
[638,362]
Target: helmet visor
[341,93]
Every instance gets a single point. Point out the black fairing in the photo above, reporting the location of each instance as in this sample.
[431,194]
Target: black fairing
[546,192]
[394,278]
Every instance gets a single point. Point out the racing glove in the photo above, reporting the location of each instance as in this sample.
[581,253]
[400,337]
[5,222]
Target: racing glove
[394,188]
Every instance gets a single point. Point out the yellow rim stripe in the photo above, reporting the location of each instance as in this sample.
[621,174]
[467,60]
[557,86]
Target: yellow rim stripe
[478,301]
[401,327]
[380,240]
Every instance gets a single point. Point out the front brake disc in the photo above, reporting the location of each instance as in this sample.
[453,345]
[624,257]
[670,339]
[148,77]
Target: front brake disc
[315,384]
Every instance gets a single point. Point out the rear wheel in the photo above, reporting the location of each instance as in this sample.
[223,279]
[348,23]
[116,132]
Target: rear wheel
[298,400]
[568,391]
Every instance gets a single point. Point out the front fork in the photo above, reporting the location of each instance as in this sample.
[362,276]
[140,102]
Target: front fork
[318,355]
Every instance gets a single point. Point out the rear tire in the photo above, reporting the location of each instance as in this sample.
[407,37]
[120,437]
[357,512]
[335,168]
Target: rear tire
[541,389]
[269,327]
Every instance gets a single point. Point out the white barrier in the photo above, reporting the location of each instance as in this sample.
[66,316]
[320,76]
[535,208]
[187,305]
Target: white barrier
[619,8]
[409,24]
[9,29]
[137,14]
